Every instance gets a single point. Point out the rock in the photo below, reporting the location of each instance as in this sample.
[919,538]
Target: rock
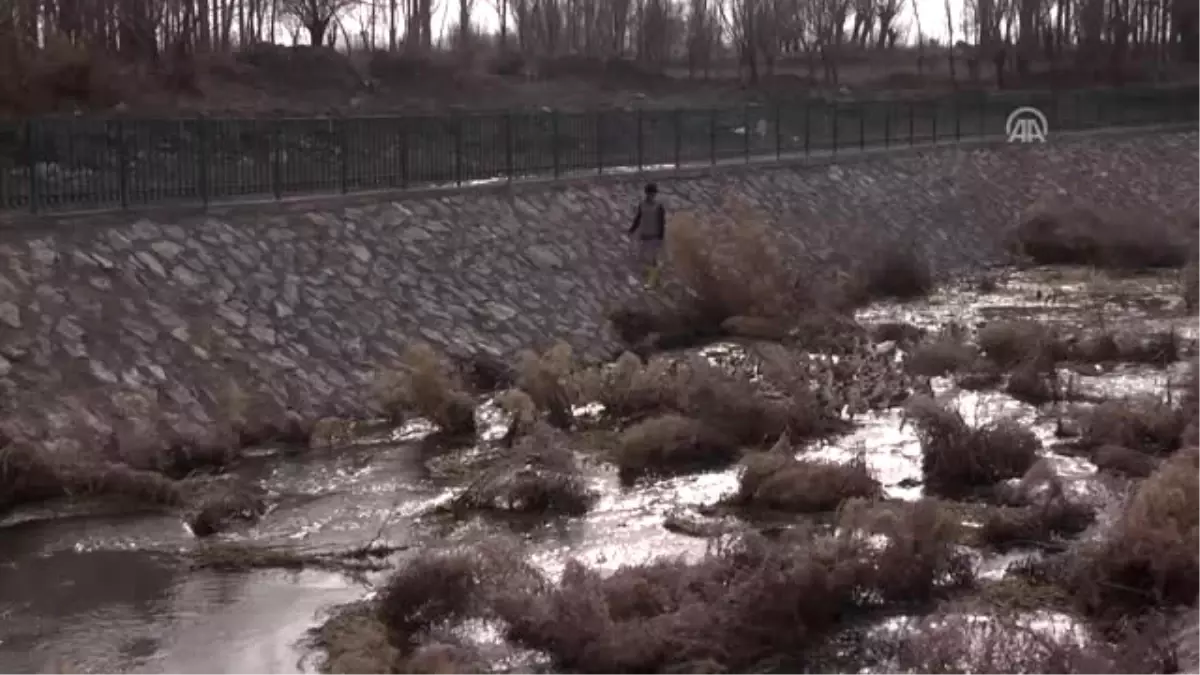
[10,315]
[542,256]
[168,250]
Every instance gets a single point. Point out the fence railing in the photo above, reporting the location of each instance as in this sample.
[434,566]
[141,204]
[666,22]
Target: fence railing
[52,164]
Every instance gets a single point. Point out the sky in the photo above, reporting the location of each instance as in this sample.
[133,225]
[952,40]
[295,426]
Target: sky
[483,14]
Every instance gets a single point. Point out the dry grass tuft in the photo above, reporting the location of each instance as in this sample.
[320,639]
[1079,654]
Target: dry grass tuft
[733,269]
[430,386]
[778,481]
[27,475]
[749,602]
[1150,557]
[946,642]
[922,556]
[1042,524]
[542,476]
[1126,461]
[1011,343]
[941,355]
[733,406]
[1144,423]
[631,387]
[547,380]
[1079,236]
[355,640]
[672,443]
[957,459]
[1033,384]
[893,273]
[1190,283]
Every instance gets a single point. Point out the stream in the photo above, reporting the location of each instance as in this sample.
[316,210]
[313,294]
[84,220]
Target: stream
[91,587]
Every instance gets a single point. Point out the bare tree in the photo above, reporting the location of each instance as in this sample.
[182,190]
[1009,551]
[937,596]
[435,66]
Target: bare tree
[315,16]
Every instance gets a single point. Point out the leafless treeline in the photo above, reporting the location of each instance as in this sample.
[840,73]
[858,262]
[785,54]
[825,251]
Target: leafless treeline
[1073,33]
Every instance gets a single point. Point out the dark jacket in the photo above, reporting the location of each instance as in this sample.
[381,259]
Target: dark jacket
[649,220]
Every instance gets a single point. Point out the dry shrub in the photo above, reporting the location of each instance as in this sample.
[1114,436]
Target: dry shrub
[748,603]
[956,459]
[630,386]
[1083,237]
[778,481]
[896,273]
[1127,461]
[1158,348]
[672,443]
[946,642]
[755,328]
[733,269]
[1007,527]
[220,507]
[1150,558]
[695,388]
[438,658]
[1010,343]
[1145,423]
[547,380]
[922,556]
[1190,283]
[430,386]
[942,355]
[900,332]
[1032,384]
[27,475]
[435,588]
[542,476]
[354,640]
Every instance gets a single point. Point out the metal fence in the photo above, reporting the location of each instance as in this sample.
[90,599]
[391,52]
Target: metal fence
[54,164]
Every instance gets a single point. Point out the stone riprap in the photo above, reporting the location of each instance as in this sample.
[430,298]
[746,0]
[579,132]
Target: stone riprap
[107,325]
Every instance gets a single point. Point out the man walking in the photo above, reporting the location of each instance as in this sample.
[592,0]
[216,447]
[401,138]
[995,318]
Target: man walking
[650,228]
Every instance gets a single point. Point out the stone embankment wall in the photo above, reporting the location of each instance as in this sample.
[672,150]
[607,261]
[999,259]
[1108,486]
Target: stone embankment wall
[299,305]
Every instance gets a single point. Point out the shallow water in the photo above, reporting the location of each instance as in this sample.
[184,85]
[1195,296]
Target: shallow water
[86,591]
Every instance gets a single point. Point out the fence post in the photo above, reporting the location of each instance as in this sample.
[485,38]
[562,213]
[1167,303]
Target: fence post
[678,124]
[403,151]
[912,130]
[862,126]
[887,125]
[554,141]
[933,121]
[778,132]
[600,142]
[957,118]
[457,130]
[712,136]
[983,130]
[31,161]
[808,127]
[123,161]
[637,113]
[835,128]
[203,161]
[274,150]
[746,129]
[343,126]
[508,145]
